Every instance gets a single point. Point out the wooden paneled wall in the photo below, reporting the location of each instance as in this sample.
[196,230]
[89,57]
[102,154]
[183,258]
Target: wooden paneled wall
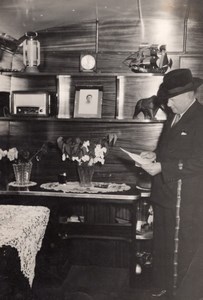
[118,167]
[115,39]
[113,43]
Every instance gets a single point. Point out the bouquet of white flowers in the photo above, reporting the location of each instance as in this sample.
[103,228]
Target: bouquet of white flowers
[86,152]
[22,155]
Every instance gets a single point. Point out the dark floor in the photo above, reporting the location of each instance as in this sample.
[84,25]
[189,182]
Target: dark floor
[54,281]
[94,283]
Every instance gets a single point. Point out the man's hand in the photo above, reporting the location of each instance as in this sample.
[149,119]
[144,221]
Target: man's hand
[149,155]
[152,168]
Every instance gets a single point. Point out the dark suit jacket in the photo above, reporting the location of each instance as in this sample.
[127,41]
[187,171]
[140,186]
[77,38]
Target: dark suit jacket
[183,142]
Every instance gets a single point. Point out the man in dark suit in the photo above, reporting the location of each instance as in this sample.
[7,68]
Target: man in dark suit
[177,168]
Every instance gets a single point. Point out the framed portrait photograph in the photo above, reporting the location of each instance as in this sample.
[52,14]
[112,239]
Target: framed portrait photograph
[88,102]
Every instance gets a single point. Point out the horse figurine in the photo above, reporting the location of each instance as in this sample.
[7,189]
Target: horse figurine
[150,106]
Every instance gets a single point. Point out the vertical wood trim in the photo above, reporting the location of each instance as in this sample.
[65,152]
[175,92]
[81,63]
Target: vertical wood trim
[64,86]
[5,83]
[120,97]
[139,10]
[186,27]
[97,36]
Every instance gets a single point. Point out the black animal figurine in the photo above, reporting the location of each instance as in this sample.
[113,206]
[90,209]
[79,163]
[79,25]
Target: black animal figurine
[149,107]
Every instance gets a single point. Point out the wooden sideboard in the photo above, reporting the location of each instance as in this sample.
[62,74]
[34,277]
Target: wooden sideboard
[97,217]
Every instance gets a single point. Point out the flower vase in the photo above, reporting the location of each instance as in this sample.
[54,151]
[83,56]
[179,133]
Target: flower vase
[85,175]
[22,173]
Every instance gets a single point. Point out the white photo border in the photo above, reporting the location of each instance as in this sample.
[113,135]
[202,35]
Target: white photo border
[88,102]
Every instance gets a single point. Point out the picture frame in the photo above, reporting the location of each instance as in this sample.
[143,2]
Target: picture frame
[88,102]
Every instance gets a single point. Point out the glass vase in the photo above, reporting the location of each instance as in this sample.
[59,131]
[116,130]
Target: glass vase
[22,172]
[85,175]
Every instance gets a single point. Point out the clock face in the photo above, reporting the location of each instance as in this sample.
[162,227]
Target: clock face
[88,62]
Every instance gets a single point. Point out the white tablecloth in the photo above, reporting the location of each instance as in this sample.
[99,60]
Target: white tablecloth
[23,227]
[97,187]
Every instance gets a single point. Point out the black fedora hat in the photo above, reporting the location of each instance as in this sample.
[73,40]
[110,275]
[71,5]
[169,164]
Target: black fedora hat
[178,82]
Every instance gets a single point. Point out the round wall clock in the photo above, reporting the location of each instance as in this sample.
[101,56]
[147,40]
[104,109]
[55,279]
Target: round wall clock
[87,62]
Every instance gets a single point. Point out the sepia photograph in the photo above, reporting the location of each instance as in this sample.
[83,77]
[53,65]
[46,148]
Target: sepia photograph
[101,150]
[88,102]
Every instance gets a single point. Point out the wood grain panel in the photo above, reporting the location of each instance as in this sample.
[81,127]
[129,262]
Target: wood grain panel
[61,47]
[167,9]
[112,62]
[69,62]
[65,62]
[4,134]
[195,10]
[194,37]
[195,65]
[57,43]
[34,83]
[195,28]
[52,60]
[5,83]
[59,61]
[118,168]
[128,34]
[135,88]
[79,36]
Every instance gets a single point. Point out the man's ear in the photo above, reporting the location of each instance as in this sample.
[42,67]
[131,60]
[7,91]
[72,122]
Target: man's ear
[190,94]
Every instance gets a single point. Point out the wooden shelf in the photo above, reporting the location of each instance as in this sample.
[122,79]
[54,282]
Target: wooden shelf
[76,120]
[83,74]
